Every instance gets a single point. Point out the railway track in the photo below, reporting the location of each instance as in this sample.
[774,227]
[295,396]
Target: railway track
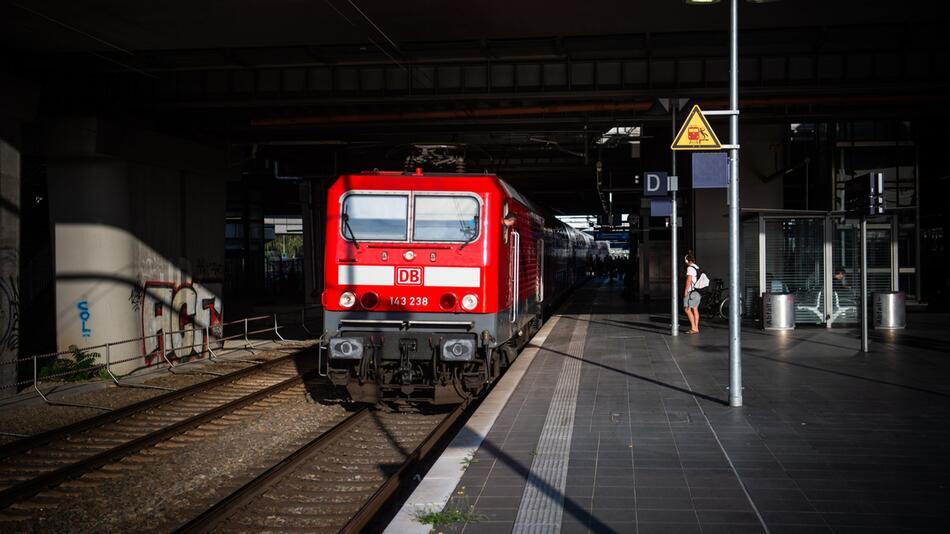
[38,463]
[337,482]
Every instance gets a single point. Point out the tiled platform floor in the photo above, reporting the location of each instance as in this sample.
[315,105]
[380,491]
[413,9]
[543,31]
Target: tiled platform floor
[829,439]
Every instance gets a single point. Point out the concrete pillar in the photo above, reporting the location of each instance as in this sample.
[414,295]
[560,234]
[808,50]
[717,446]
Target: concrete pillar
[96,271]
[139,242]
[312,202]
[9,254]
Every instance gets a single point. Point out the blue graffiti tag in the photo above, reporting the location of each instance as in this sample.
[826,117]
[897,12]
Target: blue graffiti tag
[83,307]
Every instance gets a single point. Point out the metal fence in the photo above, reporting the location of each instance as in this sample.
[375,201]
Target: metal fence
[104,357]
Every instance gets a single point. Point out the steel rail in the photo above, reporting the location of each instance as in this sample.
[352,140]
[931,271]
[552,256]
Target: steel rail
[372,507]
[223,509]
[31,487]
[43,438]
[213,517]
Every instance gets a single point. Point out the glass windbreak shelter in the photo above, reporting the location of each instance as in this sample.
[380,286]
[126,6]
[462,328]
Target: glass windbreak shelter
[816,257]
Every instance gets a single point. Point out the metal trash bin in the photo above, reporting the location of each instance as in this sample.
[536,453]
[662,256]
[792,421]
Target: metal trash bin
[778,311]
[889,310]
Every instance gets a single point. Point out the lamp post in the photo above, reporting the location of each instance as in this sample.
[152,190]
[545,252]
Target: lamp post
[674,307]
[735,352]
[735,341]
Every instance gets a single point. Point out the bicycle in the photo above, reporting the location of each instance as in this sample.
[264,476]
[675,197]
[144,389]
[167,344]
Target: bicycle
[715,301]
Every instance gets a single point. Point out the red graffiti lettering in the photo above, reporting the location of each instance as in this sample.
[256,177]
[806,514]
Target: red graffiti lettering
[174,324]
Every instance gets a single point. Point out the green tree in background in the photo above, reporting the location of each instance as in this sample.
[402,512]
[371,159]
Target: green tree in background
[285,245]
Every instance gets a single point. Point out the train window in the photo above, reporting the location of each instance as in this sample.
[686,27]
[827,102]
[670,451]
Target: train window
[445,218]
[504,227]
[368,217]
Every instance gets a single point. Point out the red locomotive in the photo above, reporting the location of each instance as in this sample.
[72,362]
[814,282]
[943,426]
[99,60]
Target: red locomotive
[435,281]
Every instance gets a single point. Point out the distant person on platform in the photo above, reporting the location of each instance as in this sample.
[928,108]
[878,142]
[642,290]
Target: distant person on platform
[609,266]
[691,296]
[842,288]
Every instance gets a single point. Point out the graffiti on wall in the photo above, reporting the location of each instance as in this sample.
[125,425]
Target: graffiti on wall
[177,320]
[9,314]
[83,307]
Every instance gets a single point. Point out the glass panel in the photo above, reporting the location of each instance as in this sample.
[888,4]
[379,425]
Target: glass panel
[750,271]
[846,278]
[794,263]
[375,217]
[445,218]
[879,261]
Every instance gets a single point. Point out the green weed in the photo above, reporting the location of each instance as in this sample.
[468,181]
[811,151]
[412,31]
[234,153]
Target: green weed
[468,461]
[81,366]
[448,516]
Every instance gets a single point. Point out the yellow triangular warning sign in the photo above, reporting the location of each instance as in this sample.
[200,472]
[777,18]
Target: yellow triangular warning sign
[696,134]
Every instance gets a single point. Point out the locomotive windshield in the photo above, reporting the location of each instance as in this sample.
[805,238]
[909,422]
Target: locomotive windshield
[370,217]
[445,218]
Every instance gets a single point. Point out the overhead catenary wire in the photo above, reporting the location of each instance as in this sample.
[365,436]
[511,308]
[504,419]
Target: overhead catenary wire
[373,24]
[71,28]
[89,36]
[390,56]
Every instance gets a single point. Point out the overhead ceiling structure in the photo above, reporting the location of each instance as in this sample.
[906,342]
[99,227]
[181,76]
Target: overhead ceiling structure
[532,84]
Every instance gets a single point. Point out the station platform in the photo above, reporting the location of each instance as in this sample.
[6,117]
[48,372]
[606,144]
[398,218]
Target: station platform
[613,425]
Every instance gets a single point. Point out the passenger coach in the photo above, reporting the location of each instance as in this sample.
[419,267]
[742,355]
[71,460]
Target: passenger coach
[434,281]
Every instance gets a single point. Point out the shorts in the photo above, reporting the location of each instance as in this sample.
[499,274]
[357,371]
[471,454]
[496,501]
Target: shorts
[691,300]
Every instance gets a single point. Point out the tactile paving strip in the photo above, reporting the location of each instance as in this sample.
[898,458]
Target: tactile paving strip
[542,503]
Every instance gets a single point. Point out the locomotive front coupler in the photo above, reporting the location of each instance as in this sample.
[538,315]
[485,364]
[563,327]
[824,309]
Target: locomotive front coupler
[364,367]
[407,347]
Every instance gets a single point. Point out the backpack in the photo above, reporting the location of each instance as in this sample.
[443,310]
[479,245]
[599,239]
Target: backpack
[702,281]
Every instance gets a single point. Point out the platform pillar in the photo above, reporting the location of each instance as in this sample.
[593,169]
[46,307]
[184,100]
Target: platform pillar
[9,253]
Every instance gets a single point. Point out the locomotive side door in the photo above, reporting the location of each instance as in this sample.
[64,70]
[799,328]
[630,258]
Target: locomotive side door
[515,274]
[540,280]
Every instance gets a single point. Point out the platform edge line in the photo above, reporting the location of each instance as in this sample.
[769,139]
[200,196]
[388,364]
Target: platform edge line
[435,489]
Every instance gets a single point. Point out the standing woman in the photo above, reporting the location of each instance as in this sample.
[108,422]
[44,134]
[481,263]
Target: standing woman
[691,296]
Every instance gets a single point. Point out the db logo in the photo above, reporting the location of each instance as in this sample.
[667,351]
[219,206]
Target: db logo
[409,276]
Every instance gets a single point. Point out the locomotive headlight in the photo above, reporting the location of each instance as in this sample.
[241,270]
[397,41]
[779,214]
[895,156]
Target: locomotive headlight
[348,348]
[347,299]
[409,255]
[469,302]
[458,350]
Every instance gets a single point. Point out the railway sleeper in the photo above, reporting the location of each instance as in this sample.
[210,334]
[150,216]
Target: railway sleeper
[98,440]
[238,529]
[39,462]
[341,481]
[60,455]
[364,461]
[21,472]
[39,502]
[310,495]
[102,475]
[297,507]
[282,522]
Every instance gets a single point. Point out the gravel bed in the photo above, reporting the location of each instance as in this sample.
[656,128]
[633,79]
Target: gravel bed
[34,416]
[161,488]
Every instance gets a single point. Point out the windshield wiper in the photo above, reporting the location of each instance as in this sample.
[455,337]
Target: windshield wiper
[347,228]
[474,232]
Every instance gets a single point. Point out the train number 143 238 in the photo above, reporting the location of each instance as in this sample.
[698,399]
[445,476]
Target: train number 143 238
[408,301]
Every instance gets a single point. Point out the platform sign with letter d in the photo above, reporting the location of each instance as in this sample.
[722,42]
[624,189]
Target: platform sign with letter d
[654,184]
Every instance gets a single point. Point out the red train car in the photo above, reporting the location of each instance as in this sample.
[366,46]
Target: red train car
[434,281]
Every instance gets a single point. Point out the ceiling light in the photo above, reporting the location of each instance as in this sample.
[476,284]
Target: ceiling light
[702,2]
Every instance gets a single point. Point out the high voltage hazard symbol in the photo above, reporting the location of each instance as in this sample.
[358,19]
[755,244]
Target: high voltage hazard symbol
[696,134]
